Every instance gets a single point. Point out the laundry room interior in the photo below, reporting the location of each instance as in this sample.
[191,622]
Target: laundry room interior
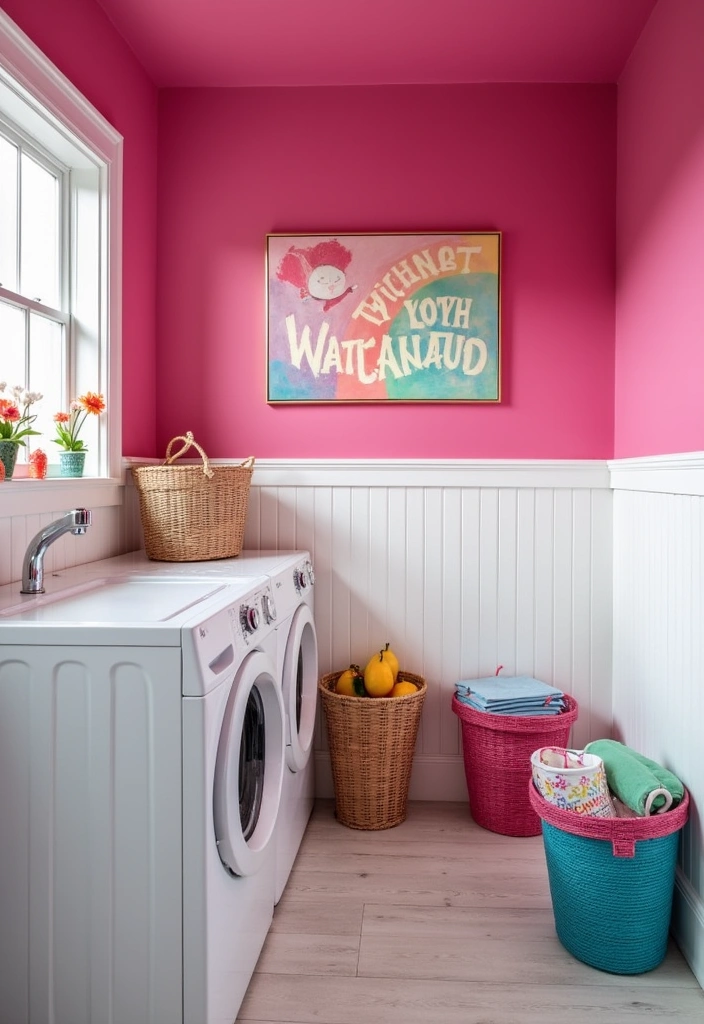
[554,532]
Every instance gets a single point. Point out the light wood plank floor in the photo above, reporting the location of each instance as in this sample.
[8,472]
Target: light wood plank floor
[438,921]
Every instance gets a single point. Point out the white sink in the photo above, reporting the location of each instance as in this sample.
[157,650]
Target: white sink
[108,600]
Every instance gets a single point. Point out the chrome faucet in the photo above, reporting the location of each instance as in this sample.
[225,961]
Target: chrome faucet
[76,522]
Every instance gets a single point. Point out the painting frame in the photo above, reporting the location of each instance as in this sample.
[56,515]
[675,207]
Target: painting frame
[383,317]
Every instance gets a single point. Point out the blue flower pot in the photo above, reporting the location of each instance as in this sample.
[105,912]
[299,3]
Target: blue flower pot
[8,457]
[71,463]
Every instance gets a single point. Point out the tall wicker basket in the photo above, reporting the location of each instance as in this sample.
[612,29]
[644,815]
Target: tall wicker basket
[192,513]
[371,740]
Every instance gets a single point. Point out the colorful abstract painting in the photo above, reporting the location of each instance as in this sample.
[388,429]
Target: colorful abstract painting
[384,317]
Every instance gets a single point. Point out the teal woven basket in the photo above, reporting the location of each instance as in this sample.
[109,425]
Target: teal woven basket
[611,883]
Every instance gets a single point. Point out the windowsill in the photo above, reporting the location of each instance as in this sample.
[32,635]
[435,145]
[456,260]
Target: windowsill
[22,496]
[53,473]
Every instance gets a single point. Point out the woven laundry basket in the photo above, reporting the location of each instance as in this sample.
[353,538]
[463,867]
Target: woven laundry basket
[611,883]
[371,741]
[497,750]
[192,513]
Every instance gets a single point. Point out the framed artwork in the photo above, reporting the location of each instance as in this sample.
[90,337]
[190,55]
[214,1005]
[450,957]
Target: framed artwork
[384,317]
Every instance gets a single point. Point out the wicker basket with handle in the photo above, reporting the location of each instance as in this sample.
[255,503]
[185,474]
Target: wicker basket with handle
[192,513]
[372,741]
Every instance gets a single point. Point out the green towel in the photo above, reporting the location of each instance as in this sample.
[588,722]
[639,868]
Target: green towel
[633,778]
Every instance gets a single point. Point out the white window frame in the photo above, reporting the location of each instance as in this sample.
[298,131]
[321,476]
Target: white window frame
[39,91]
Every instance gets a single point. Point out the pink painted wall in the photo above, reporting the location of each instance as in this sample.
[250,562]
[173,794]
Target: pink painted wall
[534,161]
[660,241]
[80,40]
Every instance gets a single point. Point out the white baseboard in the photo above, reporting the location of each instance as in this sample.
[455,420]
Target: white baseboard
[688,925]
[434,777]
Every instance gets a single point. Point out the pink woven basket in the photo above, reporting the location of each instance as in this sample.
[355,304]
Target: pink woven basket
[497,751]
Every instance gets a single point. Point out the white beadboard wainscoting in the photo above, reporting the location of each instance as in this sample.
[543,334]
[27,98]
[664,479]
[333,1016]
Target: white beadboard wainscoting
[658,670]
[462,567]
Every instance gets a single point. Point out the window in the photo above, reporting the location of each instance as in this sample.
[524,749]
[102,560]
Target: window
[60,210]
[35,321]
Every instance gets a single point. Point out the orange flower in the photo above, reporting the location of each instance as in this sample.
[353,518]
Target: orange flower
[9,411]
[92,403]
[68,424]
[15,417]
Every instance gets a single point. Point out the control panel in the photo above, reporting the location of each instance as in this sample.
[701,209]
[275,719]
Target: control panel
[303,576]
[251,614]
[220,642]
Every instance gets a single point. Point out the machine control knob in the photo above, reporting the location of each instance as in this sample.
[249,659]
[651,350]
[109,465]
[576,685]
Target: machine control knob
[268,608]
[311,574]
[249,617]
[301,579]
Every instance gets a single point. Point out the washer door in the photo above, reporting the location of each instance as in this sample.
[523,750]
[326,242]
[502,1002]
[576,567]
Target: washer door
[249,767]
[300,687]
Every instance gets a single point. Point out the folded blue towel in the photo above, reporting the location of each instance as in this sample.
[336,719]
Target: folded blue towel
[505,704]
[510,695]
[554,708]
[500,689]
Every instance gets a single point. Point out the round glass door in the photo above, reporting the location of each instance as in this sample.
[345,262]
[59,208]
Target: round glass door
[300,687]
[252,763]
[249,766]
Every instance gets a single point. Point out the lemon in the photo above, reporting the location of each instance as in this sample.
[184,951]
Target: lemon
[403,689]
[378,677]
[350,683]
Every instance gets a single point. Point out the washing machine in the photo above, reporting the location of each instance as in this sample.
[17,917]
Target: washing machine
[142,759]
[292,580]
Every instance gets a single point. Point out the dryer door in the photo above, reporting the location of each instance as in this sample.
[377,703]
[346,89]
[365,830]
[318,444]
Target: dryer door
[249,767]
[300,687]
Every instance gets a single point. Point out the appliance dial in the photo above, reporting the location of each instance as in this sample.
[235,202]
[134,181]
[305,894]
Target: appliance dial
[311,575]
[249,617]
[301,579]
[268,608]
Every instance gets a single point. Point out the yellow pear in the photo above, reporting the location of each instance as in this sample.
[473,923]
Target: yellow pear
[389,657]
[350,683]
[378,677]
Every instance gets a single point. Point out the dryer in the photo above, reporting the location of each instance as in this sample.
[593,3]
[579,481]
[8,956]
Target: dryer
[141,765]
[292,581]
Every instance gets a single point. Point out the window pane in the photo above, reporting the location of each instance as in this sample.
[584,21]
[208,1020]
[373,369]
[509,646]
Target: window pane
[46,374]
[39,246]
[8,215]
[12,367]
